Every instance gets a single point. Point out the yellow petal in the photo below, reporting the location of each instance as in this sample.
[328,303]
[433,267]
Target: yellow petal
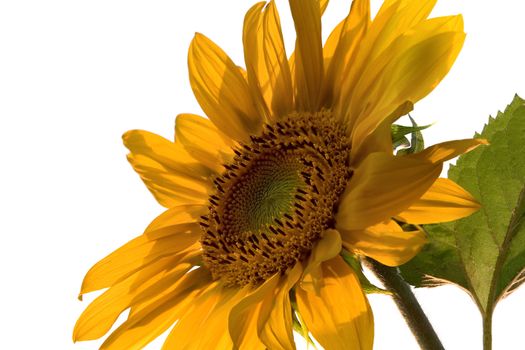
[257,75]
[280,80]
[309,53]
[380,140]
[243,319]
[382,186]
[203,141]
[266,60]
[172,156]
[262,319]
[339,317]
[407,70]
[276,332]
[177,217]
[135,255]
[323,4]
[341,48]
[149,323]
[393,19]
[221,90]
[328,247]
[100,315]
[205,324]
[385,242]
[169,172]
[444,201]
[447,150]
[168,188]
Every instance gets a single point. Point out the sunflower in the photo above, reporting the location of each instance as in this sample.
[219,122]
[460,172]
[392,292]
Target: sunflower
[293,167]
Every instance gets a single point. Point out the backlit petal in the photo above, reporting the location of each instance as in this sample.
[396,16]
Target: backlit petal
[276,332]
[444,201]
[203,141]
[328,247]
[339,316]
[243,320]
[100,315]
[169,172]
[221,90]
[309,54]
[385,242]
[393,19]
[380,140]
[444,151]
[135,255]
[257,75]
[149,323]
[205,324]
[407,70]
[341,47]
[266,60]
[177,217]
[382,186]
[323,4]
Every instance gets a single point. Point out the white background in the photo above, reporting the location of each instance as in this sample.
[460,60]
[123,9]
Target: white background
[75,75]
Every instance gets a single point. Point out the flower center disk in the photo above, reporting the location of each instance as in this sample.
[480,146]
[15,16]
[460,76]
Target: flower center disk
[276,198]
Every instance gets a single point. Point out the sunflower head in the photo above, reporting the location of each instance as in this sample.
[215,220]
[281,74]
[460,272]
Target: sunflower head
[292,167]
[276,198]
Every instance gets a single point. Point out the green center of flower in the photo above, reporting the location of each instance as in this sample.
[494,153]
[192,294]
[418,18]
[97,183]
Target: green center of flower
[263,194]
[275,199]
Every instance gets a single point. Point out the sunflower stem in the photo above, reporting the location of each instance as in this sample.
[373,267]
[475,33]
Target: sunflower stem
[487,331]
[408,305]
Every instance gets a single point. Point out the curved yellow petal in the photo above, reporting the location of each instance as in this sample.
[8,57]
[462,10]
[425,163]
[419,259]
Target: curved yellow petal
[339,315]
[140,329]
[444,151]
[276,330]
[309,53]
[136,255]
[203,141]
[328,247]
[382,186]
[444,201]
[385,242]
[169,172]
[257,75]
[100,315]
[262,319]
[242,321]
[221,90]
[341,47]
[266,60]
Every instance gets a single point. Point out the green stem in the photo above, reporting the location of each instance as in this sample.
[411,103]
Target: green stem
[407,305]
[487,330]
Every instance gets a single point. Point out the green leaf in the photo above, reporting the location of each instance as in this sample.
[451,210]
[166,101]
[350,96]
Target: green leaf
[399,139]
[485,252]
[403,142]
